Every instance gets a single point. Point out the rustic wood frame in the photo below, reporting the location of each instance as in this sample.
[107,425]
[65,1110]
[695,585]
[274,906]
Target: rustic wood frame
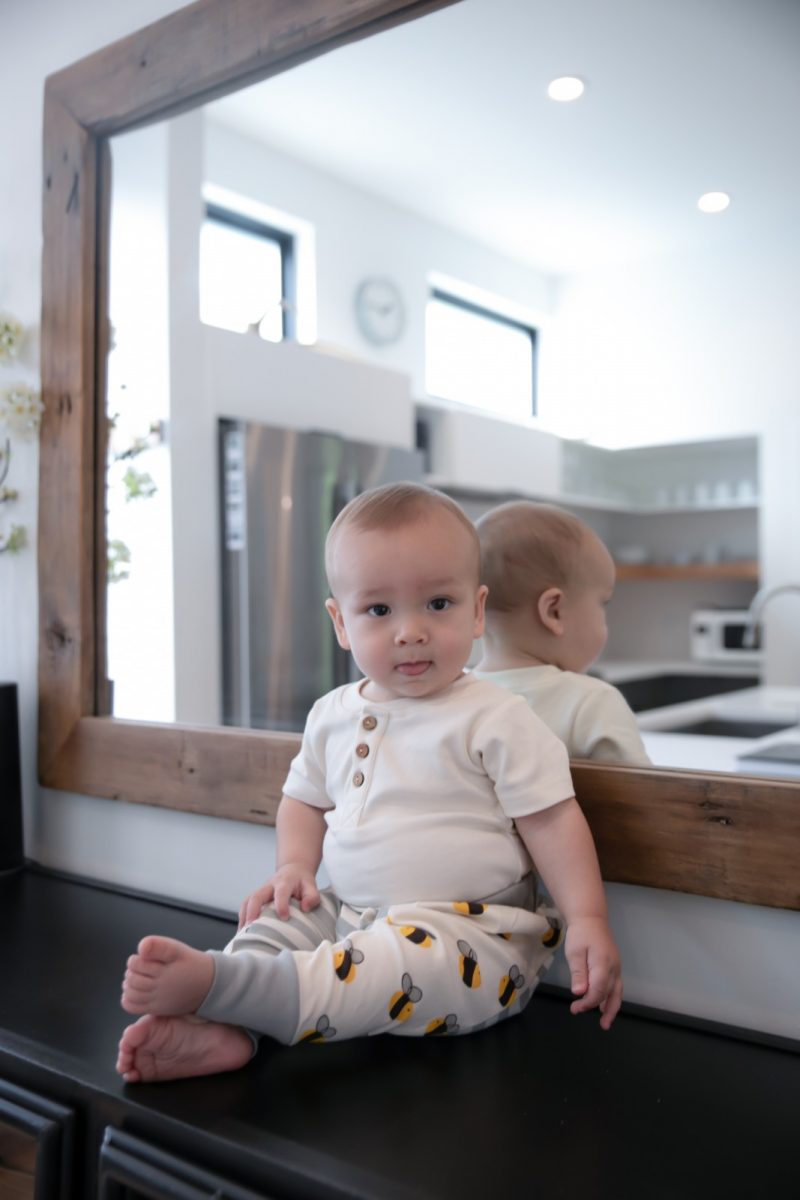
[724,836]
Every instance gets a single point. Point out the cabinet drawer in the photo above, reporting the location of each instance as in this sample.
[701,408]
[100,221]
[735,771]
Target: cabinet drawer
[133,1169]
[36,1145]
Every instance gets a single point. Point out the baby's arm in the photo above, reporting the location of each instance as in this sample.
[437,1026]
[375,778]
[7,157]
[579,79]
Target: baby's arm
[300,829]
[560,843]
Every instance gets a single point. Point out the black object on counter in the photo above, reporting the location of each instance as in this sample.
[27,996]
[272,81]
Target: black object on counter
[11,855]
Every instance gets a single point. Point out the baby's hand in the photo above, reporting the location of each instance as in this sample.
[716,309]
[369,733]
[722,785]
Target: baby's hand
[290,880]
[595,968]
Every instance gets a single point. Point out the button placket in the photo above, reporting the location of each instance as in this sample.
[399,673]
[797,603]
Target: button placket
[368,733]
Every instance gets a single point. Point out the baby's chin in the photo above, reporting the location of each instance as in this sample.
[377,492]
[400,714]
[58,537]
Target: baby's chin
[410,685]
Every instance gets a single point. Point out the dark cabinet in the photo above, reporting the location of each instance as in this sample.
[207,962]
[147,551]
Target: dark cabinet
[37,1140]
[132,1169]
[660,1107]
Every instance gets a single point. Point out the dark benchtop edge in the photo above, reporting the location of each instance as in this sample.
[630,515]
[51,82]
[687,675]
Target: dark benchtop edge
[301,1172]
[631,1008]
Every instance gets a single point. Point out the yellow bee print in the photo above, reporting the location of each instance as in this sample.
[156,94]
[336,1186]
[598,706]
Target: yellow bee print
[509,986]
[468,965]
[442,1025]
[402,1003]
[469,908]
[417,935]
[553,935]
[321,1031]
[345,961]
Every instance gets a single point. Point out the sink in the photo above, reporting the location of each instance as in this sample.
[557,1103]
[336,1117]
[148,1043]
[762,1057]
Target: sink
[658,691]
[780,752]
[733,727]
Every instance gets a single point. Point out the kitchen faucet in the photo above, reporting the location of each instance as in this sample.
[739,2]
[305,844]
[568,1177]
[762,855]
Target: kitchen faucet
[757,605]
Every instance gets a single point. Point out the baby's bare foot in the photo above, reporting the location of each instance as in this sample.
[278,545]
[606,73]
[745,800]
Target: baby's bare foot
[157,1048]
[166,978]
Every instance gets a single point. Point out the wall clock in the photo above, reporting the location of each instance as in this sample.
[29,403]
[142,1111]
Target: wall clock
[380,312]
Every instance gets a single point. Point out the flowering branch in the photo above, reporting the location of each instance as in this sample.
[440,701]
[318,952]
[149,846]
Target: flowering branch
[20,414]
[10,337]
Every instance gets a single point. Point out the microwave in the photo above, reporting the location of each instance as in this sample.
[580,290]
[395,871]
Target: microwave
[717,635]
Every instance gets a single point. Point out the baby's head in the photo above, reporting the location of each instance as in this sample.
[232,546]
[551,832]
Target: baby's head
[403,565]
[550,578]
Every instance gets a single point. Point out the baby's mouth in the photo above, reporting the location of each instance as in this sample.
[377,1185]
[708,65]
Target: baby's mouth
[413,668]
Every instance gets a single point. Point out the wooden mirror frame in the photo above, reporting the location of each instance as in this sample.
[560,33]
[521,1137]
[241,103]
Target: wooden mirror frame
[724,836]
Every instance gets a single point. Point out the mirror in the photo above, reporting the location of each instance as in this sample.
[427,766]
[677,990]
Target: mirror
[234,772]
[682,518]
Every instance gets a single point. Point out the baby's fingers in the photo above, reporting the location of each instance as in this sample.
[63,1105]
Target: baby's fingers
[611,1005]
[578,964]
[604,991]
[252,906]
[308,896]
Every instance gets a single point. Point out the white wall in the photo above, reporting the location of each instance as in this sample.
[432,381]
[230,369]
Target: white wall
[726,961]
[357,236]
[38,38]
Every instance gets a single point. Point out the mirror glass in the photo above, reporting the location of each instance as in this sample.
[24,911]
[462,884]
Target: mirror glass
[287,263]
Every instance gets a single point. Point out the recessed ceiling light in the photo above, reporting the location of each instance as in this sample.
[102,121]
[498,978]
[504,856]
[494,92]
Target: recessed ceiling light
[713,202]
[566,87]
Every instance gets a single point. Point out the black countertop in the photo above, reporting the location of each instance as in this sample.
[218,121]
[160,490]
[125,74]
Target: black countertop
[658,1107]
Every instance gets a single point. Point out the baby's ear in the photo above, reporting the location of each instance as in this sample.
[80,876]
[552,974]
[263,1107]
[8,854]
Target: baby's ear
[480,610]
[549,607]
[335,614]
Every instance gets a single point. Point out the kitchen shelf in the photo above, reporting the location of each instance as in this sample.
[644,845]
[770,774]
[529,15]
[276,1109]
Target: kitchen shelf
[497,495]
[725,570]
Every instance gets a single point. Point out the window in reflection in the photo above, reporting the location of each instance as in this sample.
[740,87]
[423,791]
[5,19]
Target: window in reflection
[246,275]
[138,500]
[479,357]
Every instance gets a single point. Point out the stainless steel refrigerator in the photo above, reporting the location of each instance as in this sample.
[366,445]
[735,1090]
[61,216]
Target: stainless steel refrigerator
[280,490]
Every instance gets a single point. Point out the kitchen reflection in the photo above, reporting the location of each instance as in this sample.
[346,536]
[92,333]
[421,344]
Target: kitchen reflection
[662,451]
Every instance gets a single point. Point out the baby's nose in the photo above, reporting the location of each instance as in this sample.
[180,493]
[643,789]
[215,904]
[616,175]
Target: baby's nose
[411,631]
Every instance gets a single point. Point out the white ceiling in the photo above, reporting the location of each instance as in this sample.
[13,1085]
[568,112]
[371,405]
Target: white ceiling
[448,117]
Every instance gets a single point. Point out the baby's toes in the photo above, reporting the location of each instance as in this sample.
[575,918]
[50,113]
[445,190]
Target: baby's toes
[136,995]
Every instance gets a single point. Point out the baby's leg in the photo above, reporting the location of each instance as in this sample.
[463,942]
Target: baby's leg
[157,1048]
[166,978]
[424,970]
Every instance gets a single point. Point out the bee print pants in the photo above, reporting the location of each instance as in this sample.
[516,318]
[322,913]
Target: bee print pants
[422,969]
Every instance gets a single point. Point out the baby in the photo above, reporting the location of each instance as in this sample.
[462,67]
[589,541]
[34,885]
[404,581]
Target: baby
[550,578]
[426,793]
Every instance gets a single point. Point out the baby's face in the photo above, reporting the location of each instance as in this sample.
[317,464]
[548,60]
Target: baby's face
[407,604]
[584,610]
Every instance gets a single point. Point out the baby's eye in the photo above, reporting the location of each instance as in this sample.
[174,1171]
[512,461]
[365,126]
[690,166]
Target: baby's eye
[378,610]
[439,604]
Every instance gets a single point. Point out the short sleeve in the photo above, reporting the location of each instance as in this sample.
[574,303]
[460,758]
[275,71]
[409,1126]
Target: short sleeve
[605,729]
[306,778]
[527,763]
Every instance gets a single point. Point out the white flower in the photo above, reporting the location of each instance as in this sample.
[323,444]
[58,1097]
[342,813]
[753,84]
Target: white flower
[10,337]
[21,410]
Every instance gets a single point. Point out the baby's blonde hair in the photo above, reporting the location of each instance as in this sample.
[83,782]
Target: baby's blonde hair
[527,548]
[390,507]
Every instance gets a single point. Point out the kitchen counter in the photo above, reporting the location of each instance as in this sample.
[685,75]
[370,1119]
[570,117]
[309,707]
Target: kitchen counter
[622,670]
[668,747]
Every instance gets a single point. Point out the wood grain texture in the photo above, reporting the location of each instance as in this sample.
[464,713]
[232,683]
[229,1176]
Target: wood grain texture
[712,835]
[732,837]
[728,570]
[66,456]
[208,48]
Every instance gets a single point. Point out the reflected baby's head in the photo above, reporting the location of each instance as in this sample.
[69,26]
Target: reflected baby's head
[546,569]
[527,548]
